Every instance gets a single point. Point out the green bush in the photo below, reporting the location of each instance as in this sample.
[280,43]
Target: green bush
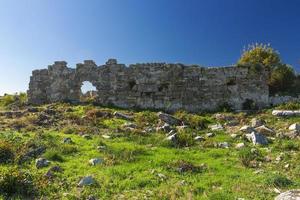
[289,106]
[6,152]
[69,130]
[246,156]
[279,181]
[15,183]
[184,138]
[193,120]
[54,155]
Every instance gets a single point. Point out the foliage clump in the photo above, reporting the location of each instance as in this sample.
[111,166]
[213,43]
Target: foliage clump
[6,152]
[15,183]
[282,78]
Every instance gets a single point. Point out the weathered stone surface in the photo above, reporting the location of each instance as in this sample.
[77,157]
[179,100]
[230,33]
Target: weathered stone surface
[265,130]
[247,129]
[286,113]
[295,127]
[87,180]
[95,161]
[151,85]
[41,162]
[258,138]
[257,122]
[289,195]
[169,119]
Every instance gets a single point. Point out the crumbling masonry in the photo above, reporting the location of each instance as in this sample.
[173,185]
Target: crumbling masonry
[151,85]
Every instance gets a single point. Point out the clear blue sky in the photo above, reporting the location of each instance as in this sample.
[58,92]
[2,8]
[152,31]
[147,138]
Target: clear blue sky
[34,33]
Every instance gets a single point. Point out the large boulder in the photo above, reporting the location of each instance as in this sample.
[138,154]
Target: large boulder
[258,138]
[289,195]
[169,119]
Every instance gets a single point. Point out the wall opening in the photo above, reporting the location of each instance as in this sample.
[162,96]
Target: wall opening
[88,92]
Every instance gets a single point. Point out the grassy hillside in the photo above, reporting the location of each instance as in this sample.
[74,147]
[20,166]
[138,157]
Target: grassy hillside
[136,160]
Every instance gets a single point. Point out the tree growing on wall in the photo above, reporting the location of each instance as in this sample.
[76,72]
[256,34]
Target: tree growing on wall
[281,76]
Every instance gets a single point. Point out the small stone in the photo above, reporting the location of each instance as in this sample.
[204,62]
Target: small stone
[106,136]
[240,145]
[287,166]
[233,135]
[123,116]
[232,123]
[295,127]
[199,138]
[257,122]
[41,162]
[172,138]
[268,158]
[87,180]
[246,129]
[67,140]
[216,127]
[101,147]
[130,125]
[223,145]
[265,130]
[87,136]
[210,134]
[289,195]
[95,161]
[169,119]
[162,176]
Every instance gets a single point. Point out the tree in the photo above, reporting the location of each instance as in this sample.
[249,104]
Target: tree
[260,54]
[281,76]
[282,79]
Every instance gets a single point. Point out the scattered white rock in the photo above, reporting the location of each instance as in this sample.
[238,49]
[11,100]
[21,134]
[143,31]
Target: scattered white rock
[216,127]
[162,176]
[240,145]
[172,137]
[122,116]
[257,122]
[87,180]
[169,119]
[223,145]
[199,138]
[233,135]
[129,125]
[265,130]
[41,162]
[246,129]
[106,136]
[95,161]
[210,134]
[295,127]
[101,147]
[67,140]
[289,195]
[286,113]
[87,136]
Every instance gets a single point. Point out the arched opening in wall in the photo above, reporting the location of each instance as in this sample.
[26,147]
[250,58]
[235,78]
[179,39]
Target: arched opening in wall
[89,92]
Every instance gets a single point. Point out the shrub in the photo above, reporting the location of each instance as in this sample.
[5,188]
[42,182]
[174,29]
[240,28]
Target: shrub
[15,183]
[249,105]
[279,181]
[69,130]
[68,149]
[281,79]
[184,138]
[54,155]
[246,156]
[289,106]
[145,117]
[6,152]
[193,120]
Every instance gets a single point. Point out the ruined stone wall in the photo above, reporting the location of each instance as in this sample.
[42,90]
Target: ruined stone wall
[151,85]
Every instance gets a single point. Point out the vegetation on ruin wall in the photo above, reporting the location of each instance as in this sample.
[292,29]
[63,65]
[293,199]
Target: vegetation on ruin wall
[139,164]
[282,78]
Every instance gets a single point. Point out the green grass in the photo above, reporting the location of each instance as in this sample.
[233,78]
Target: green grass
[146,166]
